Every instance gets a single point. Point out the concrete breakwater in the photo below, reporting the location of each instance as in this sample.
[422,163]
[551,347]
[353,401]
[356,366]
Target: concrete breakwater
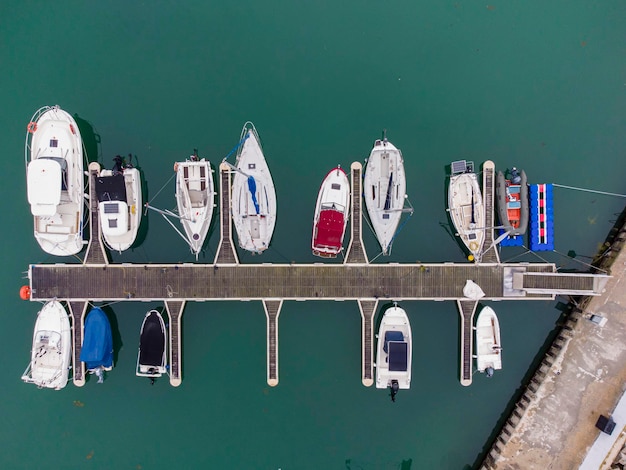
[581,376]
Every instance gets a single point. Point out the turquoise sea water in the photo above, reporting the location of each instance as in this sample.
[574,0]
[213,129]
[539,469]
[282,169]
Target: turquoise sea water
[538,85]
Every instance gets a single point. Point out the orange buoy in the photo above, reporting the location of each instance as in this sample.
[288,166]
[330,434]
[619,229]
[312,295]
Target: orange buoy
[24,292]
[32,127]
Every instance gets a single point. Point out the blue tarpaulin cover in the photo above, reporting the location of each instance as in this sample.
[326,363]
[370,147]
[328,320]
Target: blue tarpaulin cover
[97,347]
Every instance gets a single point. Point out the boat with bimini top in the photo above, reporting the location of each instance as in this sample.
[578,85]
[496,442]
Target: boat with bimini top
[331,214]
[97,348]
[488,346]
[119,203]
[384,191]
[253,202]
[465,204]
[152,358]
[394,351]
[55,180]
[52,348]
[512,201]
[195,199]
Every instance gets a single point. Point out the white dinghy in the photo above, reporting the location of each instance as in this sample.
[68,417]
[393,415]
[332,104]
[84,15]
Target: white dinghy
[253,202]
[465,204]
[119,204]
[331,214]
[384,190]
[55,180]
[195,198]
[488,346]
[394,351]
[52,348]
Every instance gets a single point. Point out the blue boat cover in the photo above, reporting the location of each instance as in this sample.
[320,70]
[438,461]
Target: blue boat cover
[392,336]
[252,188]
[398,355]
[97,347]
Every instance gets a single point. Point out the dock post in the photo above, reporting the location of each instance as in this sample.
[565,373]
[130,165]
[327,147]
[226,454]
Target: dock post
[467,308]
[368,310]
[77,311]
[272,311]
[175,312]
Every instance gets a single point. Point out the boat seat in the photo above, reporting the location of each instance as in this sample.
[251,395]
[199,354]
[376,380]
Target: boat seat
[514,189]
[514,205]
[196,197]
[392,336]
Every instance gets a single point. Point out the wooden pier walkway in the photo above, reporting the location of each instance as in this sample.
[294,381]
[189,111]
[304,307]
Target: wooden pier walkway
[367,284]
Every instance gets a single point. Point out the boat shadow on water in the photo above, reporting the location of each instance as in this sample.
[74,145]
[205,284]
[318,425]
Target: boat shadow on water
[91,139]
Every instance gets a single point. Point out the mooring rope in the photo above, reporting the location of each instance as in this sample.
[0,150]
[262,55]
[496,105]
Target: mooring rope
[588,190]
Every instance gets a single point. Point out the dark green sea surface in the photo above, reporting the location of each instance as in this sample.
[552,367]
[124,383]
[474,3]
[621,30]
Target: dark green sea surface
[533,84]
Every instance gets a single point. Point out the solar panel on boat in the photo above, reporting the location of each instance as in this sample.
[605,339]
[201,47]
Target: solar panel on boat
[111,209]
[398,356]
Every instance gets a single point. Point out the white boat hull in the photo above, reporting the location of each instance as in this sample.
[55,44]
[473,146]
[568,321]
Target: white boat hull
[488,346]
[254,222]
[119,228]
[55,181]
[52,348]
[465,203]
[394,325]
[384,190]
[195,198]
[331,214]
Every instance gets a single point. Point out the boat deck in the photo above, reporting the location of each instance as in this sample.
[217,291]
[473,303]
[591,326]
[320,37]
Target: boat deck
[355,279]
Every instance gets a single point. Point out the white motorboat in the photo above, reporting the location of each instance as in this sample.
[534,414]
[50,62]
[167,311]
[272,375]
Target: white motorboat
[119,204]
[152,357]
[195,197]
[384,190]
[465,204]
[394,351]
[52,348]
[253,203]
[331,214]
[488,346]
[55,180]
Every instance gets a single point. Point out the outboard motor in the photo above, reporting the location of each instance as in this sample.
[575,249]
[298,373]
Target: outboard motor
[515,176]
[118,167]
[489,371]
[394,390]
[100,374]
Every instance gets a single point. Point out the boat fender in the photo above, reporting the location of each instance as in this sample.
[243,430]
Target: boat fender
[32,127]
[133,209]
[25,293]
[473,246]
[72,129]
[176,167]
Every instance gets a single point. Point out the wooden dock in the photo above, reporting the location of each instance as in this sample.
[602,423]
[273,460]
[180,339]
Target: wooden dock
[356,279]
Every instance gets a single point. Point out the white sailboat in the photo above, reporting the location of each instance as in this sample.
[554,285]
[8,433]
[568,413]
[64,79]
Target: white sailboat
[384,190]
[331,214]
[55,180]
[394,351]
[195,198]
[488,346]
[465,204]
[52,348]
[253,202]
[119,204]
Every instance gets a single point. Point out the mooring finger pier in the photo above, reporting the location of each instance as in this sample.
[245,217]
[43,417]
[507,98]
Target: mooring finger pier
[356,279]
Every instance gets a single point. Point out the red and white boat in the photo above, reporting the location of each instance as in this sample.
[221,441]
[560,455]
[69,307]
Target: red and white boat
[331,214]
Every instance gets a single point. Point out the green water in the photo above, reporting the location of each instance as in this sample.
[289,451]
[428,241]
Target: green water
[540,85]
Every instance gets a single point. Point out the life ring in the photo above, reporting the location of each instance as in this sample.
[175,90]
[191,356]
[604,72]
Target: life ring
[473,246]
[25,292]
[32,127]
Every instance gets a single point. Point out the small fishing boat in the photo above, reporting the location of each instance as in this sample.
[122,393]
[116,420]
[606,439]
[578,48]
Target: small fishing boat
[465,204]
[384,190]
[195,197]
[512,201]
[488,347]
[97,349]
[55,180]
[331,214]
[253,202]
[152,358]
[394,350]
[52,348]
[119,204]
